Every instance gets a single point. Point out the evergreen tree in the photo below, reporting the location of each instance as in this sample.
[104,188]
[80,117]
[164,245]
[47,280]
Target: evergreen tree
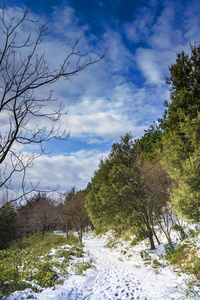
[119,197]
[150,144]
[9,226]
[181,124]
[98,210]
[183,163]
[184,89]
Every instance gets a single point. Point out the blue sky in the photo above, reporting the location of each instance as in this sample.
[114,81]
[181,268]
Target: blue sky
[122,93]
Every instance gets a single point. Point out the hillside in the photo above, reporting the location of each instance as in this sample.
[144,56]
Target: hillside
[122,271]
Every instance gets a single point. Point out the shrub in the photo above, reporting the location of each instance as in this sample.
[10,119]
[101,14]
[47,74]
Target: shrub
[80,267]
[180,230]
[37,263]
[72,240]
[145,255]
[186,258]
[169,250]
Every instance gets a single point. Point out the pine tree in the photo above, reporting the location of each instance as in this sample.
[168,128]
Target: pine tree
[181,125]
[118,198]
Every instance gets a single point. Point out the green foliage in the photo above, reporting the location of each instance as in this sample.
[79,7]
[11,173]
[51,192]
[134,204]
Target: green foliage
[117,202]
[74,213]
[98,210]
[80,267]
[186,258]
[120,196]
[181,142]
[37,242]
[44,274]
[136,240]
[9,226]
[156,263]
[184,83]
[11,286]
[151,143]
[36,264]
[112,243]
[169,251]
[180,229]
[100,231]
[182,158]
[145,255]
[72,239]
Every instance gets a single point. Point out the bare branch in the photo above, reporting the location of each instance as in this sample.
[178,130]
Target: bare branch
[20,76]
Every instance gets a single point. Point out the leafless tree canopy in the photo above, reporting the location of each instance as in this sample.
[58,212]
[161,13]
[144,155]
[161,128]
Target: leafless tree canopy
[39,214]
[21,75]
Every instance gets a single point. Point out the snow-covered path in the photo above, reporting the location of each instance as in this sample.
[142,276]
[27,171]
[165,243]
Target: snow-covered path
[115,277]
[110,280]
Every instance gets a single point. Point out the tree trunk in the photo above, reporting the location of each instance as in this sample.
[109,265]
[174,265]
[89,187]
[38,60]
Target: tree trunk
[151,240]
[44,225]
[80,234]
[157,239]
[167,234]
[67,231]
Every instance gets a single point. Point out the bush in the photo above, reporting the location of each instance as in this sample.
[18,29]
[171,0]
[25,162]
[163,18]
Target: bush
[145,255]
[72,240]
[180,229]
[37,263]
[83,266]
[169,251]
[186,258]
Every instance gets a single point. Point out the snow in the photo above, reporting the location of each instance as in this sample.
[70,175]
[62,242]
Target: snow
[119,273]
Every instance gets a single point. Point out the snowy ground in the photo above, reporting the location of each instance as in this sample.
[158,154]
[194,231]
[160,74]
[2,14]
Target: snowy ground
[119,273]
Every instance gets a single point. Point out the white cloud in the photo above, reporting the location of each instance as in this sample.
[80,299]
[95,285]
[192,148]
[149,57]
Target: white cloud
[128,109]
[140,27]
[76,168]
[192,22]
[103,101]
[148,64]
[163,34]
[118,57]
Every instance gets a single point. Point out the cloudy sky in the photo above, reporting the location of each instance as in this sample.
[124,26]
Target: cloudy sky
[124,92]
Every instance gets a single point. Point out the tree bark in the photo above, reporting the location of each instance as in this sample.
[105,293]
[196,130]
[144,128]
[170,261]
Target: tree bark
[151,240]
[67,231]
[80,235]
[157,239]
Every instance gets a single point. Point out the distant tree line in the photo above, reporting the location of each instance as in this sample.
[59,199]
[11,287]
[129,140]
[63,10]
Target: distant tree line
[41,214]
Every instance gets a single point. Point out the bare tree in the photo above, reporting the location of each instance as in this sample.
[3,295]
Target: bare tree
[39,214]
[23,115]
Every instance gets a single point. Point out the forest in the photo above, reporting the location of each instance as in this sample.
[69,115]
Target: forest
[154,180]
[143,184]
